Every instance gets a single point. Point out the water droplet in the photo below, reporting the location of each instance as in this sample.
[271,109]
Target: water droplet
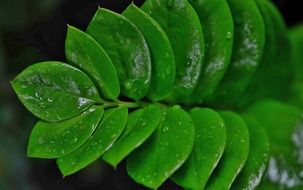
[41,140]
[210,137]
[82,102]
[229,35]
[66,133]
[128,85]
[165,129]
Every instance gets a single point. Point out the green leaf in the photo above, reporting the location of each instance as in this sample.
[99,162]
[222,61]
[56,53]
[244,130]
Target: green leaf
[247,50]
[235,154]
[296,37]
[107,132]
[258,157]
[54,91]
[209,146]
[127,48]
[284,126]
[167,149]
[55,140]
[84,52]
[218,29]
[162,56]
[273,73]
[140,125]
[181,23]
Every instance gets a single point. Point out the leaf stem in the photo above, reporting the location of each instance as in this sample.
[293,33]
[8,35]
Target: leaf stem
[123,104]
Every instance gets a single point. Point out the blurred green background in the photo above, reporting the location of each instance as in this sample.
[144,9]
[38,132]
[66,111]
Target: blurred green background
[32,31]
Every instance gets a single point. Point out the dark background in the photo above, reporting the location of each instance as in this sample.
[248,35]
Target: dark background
[32,31]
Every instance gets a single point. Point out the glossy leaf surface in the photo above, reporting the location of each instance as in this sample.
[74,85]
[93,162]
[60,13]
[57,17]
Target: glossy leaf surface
[209,145]
[45,87]
[140,125]
[181,23]
[84,52]
[218,29]
[273,73]
[167,149]
[284,126]
[127,48]
[162,56]
[235,154]
[107,132]
[55,140]
[258,157]
[247,51]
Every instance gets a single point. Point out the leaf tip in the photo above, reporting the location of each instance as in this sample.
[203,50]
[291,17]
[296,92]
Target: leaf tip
[70,27]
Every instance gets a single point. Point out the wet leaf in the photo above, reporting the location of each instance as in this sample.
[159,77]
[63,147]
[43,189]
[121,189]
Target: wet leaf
[273,73]
[209,145]
[258,157]
[167,149]
[247,50]
[140,125]
[162,56]
[127,48]
[54,91]
[182,26]
[55,140]
[235,153]
[84,52]
[218,30]
[284,126]
[107,132]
